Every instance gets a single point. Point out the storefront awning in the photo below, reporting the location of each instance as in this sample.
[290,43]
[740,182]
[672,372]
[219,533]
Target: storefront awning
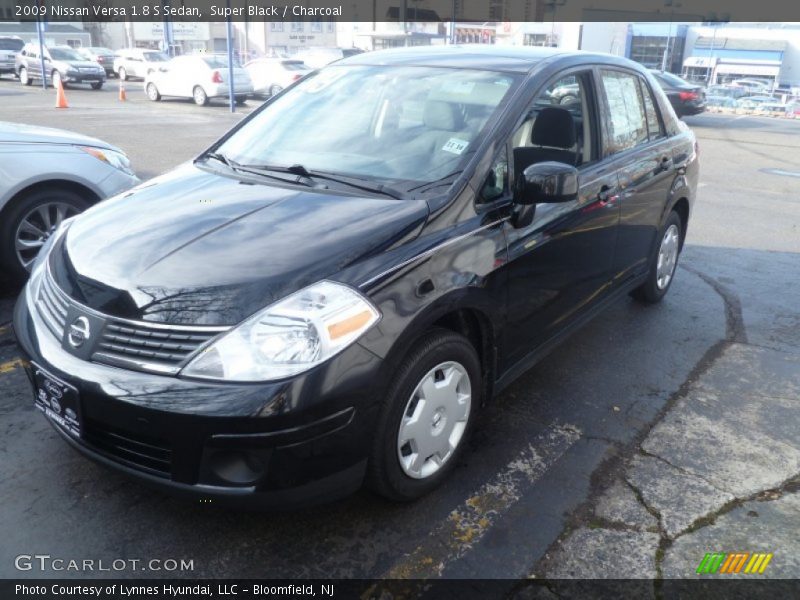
[746,69]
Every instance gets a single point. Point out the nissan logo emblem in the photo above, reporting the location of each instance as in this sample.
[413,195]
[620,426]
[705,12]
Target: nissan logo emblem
[78,332]
[52,389]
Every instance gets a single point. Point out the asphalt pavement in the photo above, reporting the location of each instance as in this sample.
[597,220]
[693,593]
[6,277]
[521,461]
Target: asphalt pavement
[565,467]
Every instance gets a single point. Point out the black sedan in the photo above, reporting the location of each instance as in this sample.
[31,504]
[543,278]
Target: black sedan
[686,98]
[330,293]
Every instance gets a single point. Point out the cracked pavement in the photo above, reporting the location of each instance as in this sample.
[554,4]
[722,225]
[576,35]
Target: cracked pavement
[719,470]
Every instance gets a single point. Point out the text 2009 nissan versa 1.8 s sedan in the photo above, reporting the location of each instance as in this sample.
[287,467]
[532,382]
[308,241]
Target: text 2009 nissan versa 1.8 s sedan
[332,291]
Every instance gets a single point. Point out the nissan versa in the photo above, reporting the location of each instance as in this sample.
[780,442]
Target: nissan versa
[331,293]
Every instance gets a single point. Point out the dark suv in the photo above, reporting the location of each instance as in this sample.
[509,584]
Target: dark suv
[332,291]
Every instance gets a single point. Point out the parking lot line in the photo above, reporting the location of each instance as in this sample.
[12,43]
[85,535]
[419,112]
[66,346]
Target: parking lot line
[11,365]
[453,537]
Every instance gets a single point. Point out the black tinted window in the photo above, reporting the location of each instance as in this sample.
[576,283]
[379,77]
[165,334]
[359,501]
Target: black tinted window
[628,124]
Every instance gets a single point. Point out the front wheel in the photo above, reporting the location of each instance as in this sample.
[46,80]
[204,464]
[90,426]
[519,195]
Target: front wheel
[97,86]
[29,221]
[23,77]
[274,90]
[55,77]
[241,100]
[123,74]
[152,92]
[200,96]
[663,263]
[429,411]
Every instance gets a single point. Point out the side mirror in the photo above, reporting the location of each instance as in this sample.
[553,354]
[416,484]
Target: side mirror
[547,182]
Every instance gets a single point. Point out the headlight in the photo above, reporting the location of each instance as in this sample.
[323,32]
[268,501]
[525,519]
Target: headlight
[115,159]
[288,337]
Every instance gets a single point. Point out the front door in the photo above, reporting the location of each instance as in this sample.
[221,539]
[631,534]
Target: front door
[562,262]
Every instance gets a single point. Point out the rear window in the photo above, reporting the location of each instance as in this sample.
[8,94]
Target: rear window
[294,65]
[154,57]
[671,79]
[15,45]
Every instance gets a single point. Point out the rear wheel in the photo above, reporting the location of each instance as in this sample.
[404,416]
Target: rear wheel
[663,263]
[241,100]
[29,221]
[430,408]
[152,92]
[200,96]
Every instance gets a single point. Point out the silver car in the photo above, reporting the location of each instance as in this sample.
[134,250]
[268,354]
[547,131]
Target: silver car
[61,63]
[46,176]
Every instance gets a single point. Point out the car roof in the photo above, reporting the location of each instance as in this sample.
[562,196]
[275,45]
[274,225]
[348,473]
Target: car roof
[521,59]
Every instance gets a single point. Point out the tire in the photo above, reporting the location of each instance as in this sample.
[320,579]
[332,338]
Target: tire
[123,74]
[23,77]
[274,90]
[152,92]
[568,99]
[97,86]
[241,100]
[448,352]
[25,208]
[669,247]
[199,95]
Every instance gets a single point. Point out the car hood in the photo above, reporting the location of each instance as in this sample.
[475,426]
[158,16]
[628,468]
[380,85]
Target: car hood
[31,134]
[196,247]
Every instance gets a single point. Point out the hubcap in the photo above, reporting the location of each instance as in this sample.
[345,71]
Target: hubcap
[434,420]
[667,257]
[36,227]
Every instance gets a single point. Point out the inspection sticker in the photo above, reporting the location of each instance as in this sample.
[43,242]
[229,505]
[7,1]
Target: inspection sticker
[455,146]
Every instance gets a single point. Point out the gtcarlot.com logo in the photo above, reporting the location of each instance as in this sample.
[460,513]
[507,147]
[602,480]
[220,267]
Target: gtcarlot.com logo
[46,562]
[731,563]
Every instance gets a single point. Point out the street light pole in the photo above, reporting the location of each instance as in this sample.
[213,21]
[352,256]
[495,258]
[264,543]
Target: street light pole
[229,33]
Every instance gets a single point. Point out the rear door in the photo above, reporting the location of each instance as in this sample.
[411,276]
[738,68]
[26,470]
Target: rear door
[641,153]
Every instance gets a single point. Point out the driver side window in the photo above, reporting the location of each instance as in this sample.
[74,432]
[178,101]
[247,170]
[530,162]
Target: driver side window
[557,126]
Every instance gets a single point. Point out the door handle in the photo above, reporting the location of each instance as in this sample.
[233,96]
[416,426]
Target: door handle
[666,163]
[606,195]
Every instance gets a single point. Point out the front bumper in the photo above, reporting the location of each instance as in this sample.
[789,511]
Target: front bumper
[84,77]
[272,445]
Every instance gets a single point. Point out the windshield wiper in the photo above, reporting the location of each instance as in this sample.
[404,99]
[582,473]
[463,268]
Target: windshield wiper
[354,182]
[235,166]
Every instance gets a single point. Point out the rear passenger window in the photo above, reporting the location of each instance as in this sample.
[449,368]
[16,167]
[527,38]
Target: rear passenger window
[653,122]
[628,126]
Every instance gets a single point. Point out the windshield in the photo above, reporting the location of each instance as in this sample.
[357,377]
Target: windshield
[404,125]
[155,57]
[15,45]
[64,54]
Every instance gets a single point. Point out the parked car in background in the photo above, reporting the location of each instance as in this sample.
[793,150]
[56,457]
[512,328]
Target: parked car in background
[271,75]
[137,62]
[331,294]
[770,104]
[686,98]
[754,86]
[103,56]
[46,176]
[318,56]
[724,95]
[200,77]
[9,46]
[61,63]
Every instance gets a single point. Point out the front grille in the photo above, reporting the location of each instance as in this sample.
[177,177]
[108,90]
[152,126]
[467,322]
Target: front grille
[151,347]
[53,304]
[151,453]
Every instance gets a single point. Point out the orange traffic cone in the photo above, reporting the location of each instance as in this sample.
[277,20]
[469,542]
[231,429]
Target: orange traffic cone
[61,98]
[122,96]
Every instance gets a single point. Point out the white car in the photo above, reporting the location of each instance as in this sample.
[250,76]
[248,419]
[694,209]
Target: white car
[271,75]
[138,62]
[200,77]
